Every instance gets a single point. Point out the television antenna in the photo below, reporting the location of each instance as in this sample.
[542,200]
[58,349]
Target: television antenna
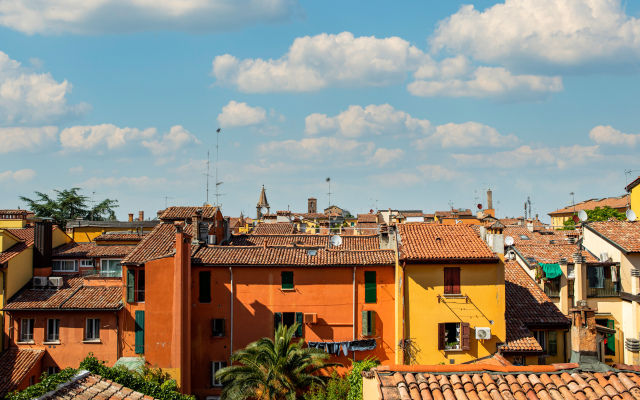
[329,182]
[218,183]
[165,201]
[92,206]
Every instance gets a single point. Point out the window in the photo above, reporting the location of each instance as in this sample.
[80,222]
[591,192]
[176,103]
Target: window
[541,337]
[140,286]
[609,338]
[217,327]
[52,370]
[552,287]
[135,285]
[370,294]
[139,332]
[368,323]
[288,319]
[32,380]
[454,336]
[215,367]
[452,280]
[204,293]
[86,263]
[93,329]
[64,266]
[553,343]
[53,330]
[111,268]
[524,237]
[603,281]
[287,280]
[26,330]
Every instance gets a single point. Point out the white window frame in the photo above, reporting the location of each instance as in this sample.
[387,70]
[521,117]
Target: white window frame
[53,324]
[215,367]
[103,270]
[63,262]
[26,330]
[86,263]
[94,324]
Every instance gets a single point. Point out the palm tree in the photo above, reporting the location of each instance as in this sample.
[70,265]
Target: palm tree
[273,369]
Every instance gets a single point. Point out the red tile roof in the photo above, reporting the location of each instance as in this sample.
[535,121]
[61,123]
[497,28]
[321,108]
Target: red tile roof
[289,256]
[91,250]
[509,221]
[526,305]
[26,235]
[182,213]
[89,386]
[15,364]
[367,228]
[72,295]
[15,212]
[633,184]
[119,237]
[157,244]
[277,228]
[434,242]
[625,234]
[618,202]
[12,252]
[552,253]
[359,242]
[367,217]
[472,382]
[464,212]
[412,214]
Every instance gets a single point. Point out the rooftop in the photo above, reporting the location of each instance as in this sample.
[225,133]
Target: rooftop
[623,234]
[119,237]
[125,225]
[182,213]
[91,250]
[15,364]
[90,386]
[277,228]
[160,242]
[618,202]
[358,242]
[552,253]
[434,242]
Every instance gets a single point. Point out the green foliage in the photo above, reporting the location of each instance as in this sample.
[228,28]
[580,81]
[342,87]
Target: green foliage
[47,383]
[597,214]
[354,377]
[273,369]
[337,388]
[69,205]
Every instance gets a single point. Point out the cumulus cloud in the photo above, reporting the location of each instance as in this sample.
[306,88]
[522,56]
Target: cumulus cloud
[468,134]
[317,148]
[176,138]
[237,114]
[557,33]
[609,135]
[32,98]
[76,170]
[437,172]
[92,137]
[18,139]
[550,157]
[383,156]
[17,176]
[114,16]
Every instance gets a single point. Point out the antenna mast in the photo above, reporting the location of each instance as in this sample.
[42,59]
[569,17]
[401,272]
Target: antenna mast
[217,159]
[207,174]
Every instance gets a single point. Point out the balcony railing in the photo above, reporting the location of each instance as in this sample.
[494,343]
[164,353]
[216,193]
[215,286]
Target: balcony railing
[552,287]
[96,273]
[601,283]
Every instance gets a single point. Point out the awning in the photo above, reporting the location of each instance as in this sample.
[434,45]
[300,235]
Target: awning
[551,270]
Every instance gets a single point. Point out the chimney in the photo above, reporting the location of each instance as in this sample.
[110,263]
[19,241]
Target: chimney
[140,215]
[196,220]
[42,248]
[130,217]
[584,344]
[564,288]
[489,199]
[580,283]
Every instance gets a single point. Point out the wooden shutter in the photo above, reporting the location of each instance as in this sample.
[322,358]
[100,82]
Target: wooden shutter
[300,322]
[455,272]
[131,284]
[366,329]
[553,343]
[370,294]
[139,343]
[277,320]
[441,338]
[287,279]
[204,294]
[465,333]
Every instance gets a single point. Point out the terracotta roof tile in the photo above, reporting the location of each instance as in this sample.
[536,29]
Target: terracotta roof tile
[625,234]
[157,244]
[509,221]
[349,242]
[464,212]
[72,295]
[15,212]
[278,228]
[26,235]
[423,241]
[91,386]
[367,217]
[618,202]
[367,228]
[289,256]
[312,215]
[412,214]
[15,364]
[552,253]
[119,237]
[12,252]
[182,213]
[91,250]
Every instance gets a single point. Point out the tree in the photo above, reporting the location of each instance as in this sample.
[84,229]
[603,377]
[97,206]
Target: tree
[69,205]
[273,369]
[597,214]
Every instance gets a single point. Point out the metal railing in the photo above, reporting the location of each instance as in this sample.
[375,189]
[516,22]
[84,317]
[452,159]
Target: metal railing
[552,287]
[96,273]
[608,288]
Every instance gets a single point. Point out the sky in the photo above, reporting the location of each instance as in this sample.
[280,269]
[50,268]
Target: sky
[404,105]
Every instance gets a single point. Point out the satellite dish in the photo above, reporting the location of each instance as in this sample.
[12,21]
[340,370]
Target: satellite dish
[336,240]
[508,241]
[631,215]
[583,215]
[479,206]
[576,219]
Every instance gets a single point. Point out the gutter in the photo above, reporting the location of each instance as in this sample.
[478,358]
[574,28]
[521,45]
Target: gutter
[64,309]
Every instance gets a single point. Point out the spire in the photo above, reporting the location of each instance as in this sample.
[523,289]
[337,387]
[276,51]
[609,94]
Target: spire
[263,199]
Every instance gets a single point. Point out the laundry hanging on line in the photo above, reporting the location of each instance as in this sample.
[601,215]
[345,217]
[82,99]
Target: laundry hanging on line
[344,347]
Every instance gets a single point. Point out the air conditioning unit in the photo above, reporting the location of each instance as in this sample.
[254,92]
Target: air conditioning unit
[483,333]
[40,281]
[310,318]
[55,281]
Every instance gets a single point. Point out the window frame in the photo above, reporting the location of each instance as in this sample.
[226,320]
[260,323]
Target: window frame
[463,333]
[215,367]
[370,287]
[75,266]
[52,370]
[26,335]
[368,323]
[56,329]
[539,335]
[201,298]
[452,281]
[84,265]
[102,270]
[289,283]
[297,317]
[96,329]
[218,327]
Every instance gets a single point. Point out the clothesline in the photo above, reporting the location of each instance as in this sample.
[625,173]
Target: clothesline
[345,347]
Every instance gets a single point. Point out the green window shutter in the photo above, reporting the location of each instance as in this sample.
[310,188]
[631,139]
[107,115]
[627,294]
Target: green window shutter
[300,322]
[277,320]
[139,343]
[370,295]
[204,295]
[611,339]
[287,279]
[131,283]
[553,343]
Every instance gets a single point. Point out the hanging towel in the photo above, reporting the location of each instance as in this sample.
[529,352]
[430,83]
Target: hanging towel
[362,345]
[614,274]
[345,349]
[551,270]
[600,275]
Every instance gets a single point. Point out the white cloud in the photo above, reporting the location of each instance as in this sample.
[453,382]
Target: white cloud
[176,138]
[137,183]
[76,170]
[437,172]
[18,176]
[490,82]
[549,157]
[373,119]
[18,139]
[92,137]
[318,149]
[468,134]
[31,98]
[237,114]
[552,32]
[383,156]
[324,60]
[114,16]
[609,135]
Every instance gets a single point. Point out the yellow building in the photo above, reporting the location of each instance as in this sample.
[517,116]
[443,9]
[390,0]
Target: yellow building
[83,231]
[634,195]
[452,295]
[619,203]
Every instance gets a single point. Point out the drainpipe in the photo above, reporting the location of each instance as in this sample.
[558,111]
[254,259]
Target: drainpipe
[4,296]
[354,304]
[231,329]
[118,338]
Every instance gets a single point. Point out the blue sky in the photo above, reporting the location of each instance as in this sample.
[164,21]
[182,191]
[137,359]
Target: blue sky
[408,105]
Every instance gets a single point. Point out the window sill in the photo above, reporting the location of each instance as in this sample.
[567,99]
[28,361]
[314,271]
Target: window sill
[27,342]
[52,342]
[453,350]
[288,290]
[98,341]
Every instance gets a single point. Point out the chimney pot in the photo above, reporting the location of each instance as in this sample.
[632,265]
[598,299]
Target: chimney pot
[130,217]
[140,215]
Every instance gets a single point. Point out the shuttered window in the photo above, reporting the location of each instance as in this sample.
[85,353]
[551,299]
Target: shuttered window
[287,280]
[370,294]
[131,285]
[441,336]
[368,323]
[288,319]
[215,367]
[465,336]
[452,280]
[139,344]
[204,294]
[454,336]
[217,325]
